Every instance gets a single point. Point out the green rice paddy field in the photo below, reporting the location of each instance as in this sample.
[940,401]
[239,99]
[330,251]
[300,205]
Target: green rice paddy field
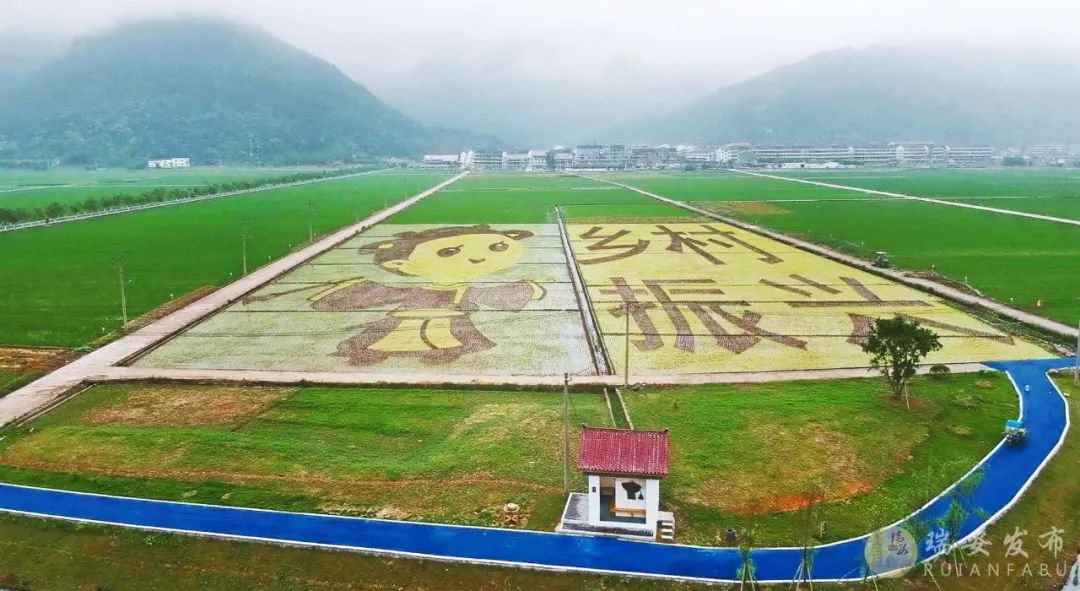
[1012,259]
[530,199]
[1051,191]
[21,189]
[711,186]
[61,283]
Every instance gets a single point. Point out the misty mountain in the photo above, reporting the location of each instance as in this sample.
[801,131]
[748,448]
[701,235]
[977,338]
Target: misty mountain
[963,96]
[204,89]
[22,52]
[531,98]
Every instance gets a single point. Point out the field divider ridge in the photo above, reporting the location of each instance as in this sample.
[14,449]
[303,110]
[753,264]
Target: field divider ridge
[593,334]
[47,389]
[273,377]
[925,285]
[1023,214]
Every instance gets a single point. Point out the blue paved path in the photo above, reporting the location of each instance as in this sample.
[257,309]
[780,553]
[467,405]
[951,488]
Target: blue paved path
[1008,471]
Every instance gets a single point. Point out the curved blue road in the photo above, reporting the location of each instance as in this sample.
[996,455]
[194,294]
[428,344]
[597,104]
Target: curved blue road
[1008,471]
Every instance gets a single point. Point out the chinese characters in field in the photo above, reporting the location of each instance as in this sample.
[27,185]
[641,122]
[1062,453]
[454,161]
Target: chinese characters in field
[699,297]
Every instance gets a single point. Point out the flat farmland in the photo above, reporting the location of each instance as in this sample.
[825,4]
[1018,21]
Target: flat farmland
[61,282]
[726,186]
[419,454]
[530,199]
[1053,192]
[754,453]
[457,456]
[1028,263]
[1062,207]
[29,189]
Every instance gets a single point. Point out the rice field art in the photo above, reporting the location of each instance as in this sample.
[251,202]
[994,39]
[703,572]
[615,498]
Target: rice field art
[410,299]
[703,298]
[499,300]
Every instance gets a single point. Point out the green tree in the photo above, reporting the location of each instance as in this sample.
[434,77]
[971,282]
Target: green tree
[809,530]
[747,541]
[896,347]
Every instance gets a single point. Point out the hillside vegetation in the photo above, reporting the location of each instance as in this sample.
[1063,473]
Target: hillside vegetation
[210,90]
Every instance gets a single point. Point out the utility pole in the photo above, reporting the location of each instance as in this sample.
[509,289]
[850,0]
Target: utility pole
[566,432]
[123,288]
[626,347]
[310,224]
[243,244]
[1076,370]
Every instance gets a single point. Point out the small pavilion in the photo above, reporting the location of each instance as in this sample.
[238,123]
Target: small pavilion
[624,468]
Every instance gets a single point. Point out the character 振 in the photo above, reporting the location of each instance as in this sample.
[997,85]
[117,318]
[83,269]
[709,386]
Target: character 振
[431,321]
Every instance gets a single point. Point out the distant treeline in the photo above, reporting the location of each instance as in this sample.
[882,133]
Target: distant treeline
[159,195]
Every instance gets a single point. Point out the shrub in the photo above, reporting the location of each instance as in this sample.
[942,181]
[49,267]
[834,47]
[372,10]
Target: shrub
[939,371]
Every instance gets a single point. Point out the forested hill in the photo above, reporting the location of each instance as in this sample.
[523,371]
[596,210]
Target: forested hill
[204,89]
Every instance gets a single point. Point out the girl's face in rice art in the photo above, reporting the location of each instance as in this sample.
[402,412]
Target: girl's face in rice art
[446,256]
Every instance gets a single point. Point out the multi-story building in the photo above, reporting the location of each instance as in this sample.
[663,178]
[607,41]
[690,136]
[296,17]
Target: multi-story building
[1054,152]
[444,161]
[726,156]
[918,154]
[704,157]
[515,160]
[970,156]
[842,155]
[653,157]
[538,160]
[588,156]
[909,154]
[592,156]
[487,160]
[560,159]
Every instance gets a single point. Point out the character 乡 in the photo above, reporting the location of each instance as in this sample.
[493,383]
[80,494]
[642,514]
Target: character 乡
[431,321]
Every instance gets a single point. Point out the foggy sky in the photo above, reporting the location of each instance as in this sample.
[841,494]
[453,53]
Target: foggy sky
[531,71]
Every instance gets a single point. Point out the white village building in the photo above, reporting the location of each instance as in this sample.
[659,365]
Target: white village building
[538,160]
[169,163]
[444,161]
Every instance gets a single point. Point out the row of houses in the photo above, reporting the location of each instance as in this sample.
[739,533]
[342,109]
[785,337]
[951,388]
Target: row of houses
[903,154]
[1054,154]
[169,163]
[623,157]
[583,157]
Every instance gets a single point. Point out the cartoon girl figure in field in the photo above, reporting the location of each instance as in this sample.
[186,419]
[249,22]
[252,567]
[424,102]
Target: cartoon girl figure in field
[431,321]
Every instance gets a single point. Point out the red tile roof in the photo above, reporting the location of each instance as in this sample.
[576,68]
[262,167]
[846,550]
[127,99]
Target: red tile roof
[623,451]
